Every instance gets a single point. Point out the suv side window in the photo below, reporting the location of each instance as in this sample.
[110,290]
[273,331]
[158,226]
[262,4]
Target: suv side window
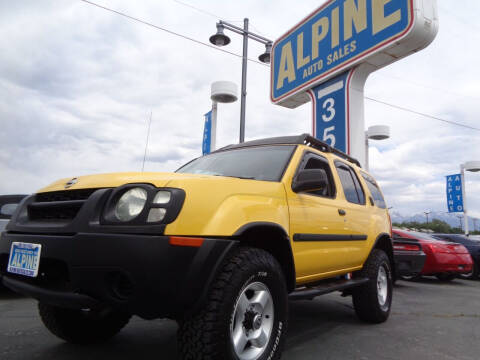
[351,185]
[313,161]
[375,191]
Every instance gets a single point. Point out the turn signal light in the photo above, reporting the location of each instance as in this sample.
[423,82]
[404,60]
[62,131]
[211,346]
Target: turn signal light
[185,241]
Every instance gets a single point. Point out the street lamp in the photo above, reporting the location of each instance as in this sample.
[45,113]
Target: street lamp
[221,92]
[375,132]
[220,39]
[426,214]
[473,166]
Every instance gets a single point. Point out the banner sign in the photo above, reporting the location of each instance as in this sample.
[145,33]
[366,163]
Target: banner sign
[207,134]
[454,193]
[330,122]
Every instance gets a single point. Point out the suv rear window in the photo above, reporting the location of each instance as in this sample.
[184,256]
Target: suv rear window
[259,163]
[375,191]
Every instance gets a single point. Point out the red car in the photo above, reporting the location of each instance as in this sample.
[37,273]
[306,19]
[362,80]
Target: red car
[445,260]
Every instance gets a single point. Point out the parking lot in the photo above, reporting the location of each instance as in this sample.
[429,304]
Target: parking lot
[430,320]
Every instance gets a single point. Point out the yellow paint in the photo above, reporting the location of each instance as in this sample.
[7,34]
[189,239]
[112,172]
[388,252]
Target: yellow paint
[379,20]
[219,206]
[301,61]
[322,24]
[335,27]
[353,15]
[287,66]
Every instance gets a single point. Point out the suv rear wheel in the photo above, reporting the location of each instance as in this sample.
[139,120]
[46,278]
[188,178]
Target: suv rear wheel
[245,315]
[82,326]
[372,301]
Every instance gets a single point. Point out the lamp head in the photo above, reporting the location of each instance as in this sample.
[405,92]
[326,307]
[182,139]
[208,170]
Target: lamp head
[265,57]
[220,39]
[473,166]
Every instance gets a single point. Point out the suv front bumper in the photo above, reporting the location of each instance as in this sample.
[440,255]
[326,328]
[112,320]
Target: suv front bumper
[141,274]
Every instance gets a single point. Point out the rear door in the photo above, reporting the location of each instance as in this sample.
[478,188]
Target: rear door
[356,213]
[317,228]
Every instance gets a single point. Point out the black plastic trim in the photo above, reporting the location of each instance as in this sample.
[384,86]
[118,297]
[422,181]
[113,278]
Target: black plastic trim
[329,237]
[58,298]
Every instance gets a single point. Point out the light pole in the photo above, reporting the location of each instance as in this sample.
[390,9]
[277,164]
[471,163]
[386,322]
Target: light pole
[221,92]
[375,132]
[426,214]
[220,39]
[473,166]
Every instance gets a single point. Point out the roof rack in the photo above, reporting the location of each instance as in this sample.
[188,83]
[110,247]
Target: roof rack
[304,139]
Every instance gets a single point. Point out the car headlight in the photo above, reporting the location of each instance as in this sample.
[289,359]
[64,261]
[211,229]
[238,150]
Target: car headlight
[131,204]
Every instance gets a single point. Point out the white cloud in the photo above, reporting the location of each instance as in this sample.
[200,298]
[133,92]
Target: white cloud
[77,85]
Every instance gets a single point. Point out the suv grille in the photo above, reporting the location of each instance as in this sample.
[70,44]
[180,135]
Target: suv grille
[58,205]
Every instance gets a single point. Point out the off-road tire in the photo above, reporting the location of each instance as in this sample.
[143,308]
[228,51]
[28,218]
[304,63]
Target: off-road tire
[473,275]
[207,334]
[82,327]
[365,297]
[446,277]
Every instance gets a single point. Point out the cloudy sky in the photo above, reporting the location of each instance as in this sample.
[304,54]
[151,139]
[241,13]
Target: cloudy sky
[78,83]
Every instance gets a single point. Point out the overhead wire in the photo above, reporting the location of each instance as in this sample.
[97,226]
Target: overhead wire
[169,31]
[258,62]
[422,114]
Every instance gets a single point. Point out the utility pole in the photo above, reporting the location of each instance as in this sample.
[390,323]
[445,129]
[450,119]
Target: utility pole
[460,217]
[426,214]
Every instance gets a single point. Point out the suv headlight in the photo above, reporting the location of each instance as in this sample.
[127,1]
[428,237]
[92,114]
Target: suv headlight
[142,204]
[131,204]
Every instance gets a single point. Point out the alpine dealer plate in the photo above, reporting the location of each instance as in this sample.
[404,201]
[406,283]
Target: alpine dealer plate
[24,259]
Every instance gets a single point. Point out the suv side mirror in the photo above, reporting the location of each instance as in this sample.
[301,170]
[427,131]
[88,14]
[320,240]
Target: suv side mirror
[311,179]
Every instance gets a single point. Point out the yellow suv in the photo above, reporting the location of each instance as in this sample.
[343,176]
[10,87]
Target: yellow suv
[220,246]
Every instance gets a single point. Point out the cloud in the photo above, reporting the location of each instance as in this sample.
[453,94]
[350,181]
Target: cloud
[78,84]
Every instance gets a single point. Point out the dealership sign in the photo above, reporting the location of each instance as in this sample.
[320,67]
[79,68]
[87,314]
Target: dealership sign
[454,193]
[346,38]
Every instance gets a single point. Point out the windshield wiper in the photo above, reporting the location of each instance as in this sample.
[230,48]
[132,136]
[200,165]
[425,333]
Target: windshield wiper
[238,177]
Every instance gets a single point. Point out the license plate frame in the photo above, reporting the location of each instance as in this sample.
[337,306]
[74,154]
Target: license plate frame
[24,259]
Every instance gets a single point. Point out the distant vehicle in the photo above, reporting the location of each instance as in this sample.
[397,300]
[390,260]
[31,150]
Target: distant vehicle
[8,204]
[445,260]
[409,257]
[473,246]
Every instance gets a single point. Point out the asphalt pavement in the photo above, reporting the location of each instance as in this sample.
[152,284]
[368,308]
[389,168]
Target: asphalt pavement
[429,320]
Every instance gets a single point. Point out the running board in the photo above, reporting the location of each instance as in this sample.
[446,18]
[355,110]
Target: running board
[338,285]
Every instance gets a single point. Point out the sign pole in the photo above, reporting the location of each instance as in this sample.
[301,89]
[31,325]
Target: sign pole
[213,136]
[465,216]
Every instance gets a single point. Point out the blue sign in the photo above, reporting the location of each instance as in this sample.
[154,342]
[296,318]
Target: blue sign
[330,122]
[334,38]
[207,134]
[454,193]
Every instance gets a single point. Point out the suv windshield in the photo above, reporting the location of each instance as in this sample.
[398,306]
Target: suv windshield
[260,163]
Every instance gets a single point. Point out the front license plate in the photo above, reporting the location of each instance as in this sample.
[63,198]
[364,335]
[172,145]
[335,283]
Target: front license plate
[24,259]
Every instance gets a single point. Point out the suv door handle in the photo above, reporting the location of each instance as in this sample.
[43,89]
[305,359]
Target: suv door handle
[342,212]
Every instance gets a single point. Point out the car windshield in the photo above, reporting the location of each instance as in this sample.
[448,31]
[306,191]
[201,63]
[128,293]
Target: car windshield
[260,163]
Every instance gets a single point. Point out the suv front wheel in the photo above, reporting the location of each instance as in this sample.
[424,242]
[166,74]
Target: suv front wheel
[372,301]
[245,315]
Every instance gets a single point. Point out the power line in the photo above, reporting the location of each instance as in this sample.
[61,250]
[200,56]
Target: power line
[168,31]
[258,62]
[422,114]
[216,16]
[428,87]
